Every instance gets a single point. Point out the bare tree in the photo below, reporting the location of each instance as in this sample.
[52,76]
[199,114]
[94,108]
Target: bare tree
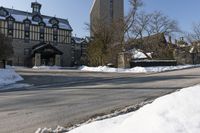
[108,39]
[194,36]
[6,49]
[102,39]
[140,27]
[154,26]
[129,20]
[161,23]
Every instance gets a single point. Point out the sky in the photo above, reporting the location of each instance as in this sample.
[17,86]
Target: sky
[186,12]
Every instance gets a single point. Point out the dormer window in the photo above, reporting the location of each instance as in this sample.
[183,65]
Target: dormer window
[54,21]
[36,7]
[37,18]
[3,12]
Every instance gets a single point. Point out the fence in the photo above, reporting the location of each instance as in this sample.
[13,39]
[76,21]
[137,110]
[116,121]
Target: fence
[150,63]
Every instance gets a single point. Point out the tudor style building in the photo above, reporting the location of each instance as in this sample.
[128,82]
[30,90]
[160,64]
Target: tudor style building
[37,39]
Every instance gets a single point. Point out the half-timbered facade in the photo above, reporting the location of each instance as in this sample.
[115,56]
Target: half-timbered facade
[37,39]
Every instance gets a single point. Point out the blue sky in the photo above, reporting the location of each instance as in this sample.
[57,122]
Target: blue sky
[186,12]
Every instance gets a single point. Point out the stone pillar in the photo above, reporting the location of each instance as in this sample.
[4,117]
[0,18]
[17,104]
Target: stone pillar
[57,60]
[124,59]
[37,59]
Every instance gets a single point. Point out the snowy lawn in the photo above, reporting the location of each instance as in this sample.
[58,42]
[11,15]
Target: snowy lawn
[175,113]
[8,76]
[135,69]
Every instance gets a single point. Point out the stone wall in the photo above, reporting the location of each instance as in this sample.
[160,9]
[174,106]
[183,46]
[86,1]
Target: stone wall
[19,57]
[185,57]
[124,59]
[66,58]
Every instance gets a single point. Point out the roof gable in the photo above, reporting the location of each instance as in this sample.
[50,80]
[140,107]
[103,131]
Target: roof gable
[10,18]
[3,12]
[153,40]
[27,21]
[43,47]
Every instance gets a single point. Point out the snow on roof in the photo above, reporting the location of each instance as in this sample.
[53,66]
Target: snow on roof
[20,16]
[137,54]
[78,40]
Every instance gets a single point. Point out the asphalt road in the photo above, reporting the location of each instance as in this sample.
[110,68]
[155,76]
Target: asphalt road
[65,98]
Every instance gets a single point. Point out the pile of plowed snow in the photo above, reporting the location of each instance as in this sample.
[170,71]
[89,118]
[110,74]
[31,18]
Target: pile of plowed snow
[135,69]
[175,113]
[9,76]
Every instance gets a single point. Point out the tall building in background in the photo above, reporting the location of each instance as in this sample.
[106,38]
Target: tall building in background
[106,11]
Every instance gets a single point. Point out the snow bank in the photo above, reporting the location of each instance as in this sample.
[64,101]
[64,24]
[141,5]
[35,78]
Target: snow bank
[135,69]
[47,67]
[175,113]
[8,76]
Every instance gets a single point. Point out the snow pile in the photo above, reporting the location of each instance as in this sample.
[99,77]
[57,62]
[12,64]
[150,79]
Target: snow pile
[175,113]
[135,69]
[47,67]
[8,76]
[137,54]
[98,69]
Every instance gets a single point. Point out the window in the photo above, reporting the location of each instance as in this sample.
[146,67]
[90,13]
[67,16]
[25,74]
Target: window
[54,21]
[37,18]
[36,9]
[10,25]
[27,51]
[42,31]
[27,23]
[111,9]
[55,33]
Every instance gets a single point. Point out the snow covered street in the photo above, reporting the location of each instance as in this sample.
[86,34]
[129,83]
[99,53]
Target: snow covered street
[175,113]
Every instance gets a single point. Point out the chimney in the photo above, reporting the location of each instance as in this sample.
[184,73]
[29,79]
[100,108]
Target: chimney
[176,42]
[170,40]
[182,38]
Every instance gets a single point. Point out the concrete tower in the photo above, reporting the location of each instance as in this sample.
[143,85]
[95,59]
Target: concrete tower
[106,11]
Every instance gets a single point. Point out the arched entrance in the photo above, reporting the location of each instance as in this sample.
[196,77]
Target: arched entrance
[46,54]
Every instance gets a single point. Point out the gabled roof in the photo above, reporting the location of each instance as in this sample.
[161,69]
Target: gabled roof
[20,16]
[41,46]
[157,39]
